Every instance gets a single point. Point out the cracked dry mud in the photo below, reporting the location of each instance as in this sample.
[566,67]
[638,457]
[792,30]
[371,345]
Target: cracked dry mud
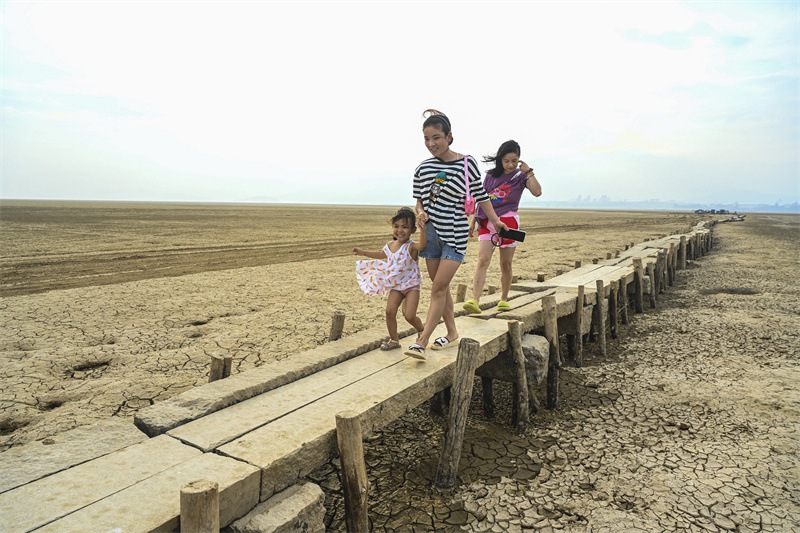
[688,424]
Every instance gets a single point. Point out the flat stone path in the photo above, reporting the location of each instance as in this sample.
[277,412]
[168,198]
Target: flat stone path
[690,423]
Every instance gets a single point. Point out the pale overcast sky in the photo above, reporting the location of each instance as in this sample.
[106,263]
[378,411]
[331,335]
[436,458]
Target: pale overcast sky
[321,102]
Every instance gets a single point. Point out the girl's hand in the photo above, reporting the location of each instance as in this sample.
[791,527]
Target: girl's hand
[500,225]
[422,217]
[358,251]
[523,166]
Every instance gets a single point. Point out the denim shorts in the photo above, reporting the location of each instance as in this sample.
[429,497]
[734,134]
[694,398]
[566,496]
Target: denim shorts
[438,249]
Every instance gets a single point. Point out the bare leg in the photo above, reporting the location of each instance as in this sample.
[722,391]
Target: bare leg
[410,311]
[506,257]
[441,272]
[485,250]
[392,304]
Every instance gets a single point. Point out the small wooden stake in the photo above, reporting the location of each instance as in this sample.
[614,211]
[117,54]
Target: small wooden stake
[468,352]
[521,383]
[554,362]
[200,507]
[337,325]
[540,276]
[461,292]
[578,264]
[220,367]
[492,289]
[355,484]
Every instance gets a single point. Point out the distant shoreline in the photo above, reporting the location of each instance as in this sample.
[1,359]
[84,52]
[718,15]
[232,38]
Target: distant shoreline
[791,209]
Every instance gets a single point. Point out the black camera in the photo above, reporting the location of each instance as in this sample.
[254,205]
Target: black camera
[512,234]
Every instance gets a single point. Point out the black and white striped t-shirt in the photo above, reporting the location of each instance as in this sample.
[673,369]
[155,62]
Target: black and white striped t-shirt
[440,186]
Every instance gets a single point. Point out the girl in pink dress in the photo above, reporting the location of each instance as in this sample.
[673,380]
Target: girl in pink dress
[394,271]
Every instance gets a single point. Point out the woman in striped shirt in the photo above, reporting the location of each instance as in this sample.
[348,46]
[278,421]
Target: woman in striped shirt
[440,190]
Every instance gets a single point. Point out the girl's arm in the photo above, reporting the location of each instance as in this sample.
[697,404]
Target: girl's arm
[368,253]
[421,214]
[533,183]
[418,246]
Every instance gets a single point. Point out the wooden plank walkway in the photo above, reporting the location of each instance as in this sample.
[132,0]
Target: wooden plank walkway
[257,434]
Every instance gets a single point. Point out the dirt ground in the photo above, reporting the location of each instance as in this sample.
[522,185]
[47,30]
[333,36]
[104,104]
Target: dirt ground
[688,424]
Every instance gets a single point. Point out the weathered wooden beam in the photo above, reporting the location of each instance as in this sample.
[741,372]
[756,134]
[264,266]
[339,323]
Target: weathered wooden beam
[355,484]
[200,507]
[468,352]
[220,367]
[521,383]
[554,361]
[653,287]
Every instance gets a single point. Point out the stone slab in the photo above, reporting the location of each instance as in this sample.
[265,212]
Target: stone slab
[35,460]
[294,445]
[45,500]
[208,398]
[153,504]
[299,508]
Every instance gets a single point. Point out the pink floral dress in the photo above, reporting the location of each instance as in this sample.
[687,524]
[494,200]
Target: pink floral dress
[399,272]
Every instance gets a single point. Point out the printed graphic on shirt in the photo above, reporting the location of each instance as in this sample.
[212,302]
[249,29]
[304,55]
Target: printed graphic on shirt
[438,183]
[499,194]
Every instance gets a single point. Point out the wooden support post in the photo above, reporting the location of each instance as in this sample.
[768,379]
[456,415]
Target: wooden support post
[461,293]
[514,279]
[682,253]
[660,271]
[559,271]
[638,285]
[579,327]
[355,484]
[540,276]
[220,367]
[600,314]
[521,382]
[468,351]
[653,288]
[554,362]
[200,507]
[613,308]
[337,325]
[488,398]
[671,264]
[595,261]
[623,299]
[492,289]
[609,255]
[578,264]
[440,402]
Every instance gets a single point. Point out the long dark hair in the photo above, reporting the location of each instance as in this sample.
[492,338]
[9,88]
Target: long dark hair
[438,119]
[508,147]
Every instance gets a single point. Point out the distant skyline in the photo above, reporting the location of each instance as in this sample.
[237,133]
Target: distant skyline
[321,102]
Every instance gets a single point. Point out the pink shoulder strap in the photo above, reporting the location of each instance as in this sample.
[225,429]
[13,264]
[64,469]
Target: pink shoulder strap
[466,177]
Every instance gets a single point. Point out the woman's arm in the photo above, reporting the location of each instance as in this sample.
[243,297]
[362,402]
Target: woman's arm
[369,253]
[486,205]
[533,184]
